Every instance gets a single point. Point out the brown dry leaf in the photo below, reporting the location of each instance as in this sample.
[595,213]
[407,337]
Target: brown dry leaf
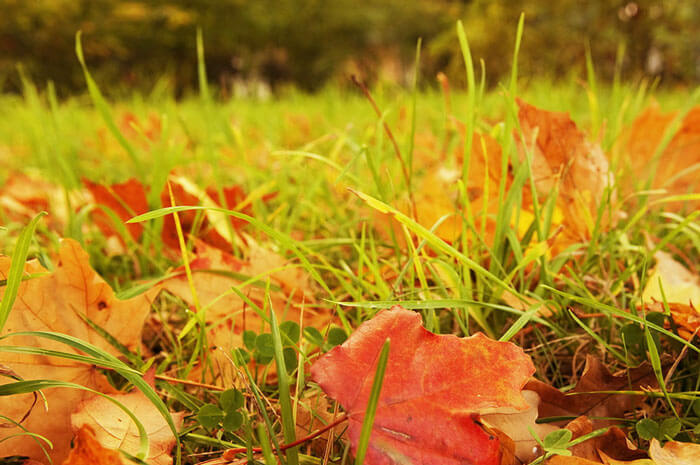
[595,377]
[87,450]
[55,302]
[562,157]
[641,141]
[611,461]
[613,443]
[674,453]
[514,423]
[113,429]
[314,413]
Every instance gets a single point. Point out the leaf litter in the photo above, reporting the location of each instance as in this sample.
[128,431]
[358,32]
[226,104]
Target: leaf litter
[475,386]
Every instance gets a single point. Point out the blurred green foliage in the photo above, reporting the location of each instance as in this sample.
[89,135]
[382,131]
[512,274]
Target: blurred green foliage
[306,43]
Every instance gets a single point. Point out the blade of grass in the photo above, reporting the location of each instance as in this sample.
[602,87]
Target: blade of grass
[103,107]
[372,404]
[288,423]
[14,277]
[656,366]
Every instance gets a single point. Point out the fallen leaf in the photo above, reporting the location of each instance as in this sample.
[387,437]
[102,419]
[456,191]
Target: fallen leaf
[23,196]
[561,157]
[613,443]
[113,429]
[314,413]
[210,226]
[57,302]
[584,399]
[87,450]
[681,290]
[215,272]
[611,461]
[674,453]
[570,460]
[564,158]
[126,200]
[514,423]
[640,142]
[679,284]
[435,389]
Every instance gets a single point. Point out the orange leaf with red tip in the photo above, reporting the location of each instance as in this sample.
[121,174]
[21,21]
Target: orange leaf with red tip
[435,388]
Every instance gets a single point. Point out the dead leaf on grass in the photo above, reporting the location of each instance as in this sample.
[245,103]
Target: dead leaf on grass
[215,272]
[126,200]
[677,169]
[674,453]
[113,429]
[584,399]
[87,450]
[435,389]
[681,289]
[56,302]
[564,158]
[514,423]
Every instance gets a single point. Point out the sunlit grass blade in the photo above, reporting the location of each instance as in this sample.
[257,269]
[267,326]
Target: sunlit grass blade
[14,278]
[372,403]
[288,423]
[103,107]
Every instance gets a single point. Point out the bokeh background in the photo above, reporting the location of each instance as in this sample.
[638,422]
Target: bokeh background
[270,45]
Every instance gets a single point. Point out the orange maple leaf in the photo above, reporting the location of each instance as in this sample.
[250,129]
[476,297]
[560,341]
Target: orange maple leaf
[58,302]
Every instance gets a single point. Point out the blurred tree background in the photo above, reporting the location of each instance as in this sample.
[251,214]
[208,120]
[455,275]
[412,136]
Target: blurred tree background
[308,43]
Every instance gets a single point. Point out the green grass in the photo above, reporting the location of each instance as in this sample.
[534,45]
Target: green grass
[332,165]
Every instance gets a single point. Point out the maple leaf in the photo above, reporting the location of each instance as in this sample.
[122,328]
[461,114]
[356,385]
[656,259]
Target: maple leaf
[435,388]
[113,429]
[584,398]
[58,302]
[126,200]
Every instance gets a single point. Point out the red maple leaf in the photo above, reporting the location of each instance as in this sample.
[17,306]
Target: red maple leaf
[126,200]
[435,388]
